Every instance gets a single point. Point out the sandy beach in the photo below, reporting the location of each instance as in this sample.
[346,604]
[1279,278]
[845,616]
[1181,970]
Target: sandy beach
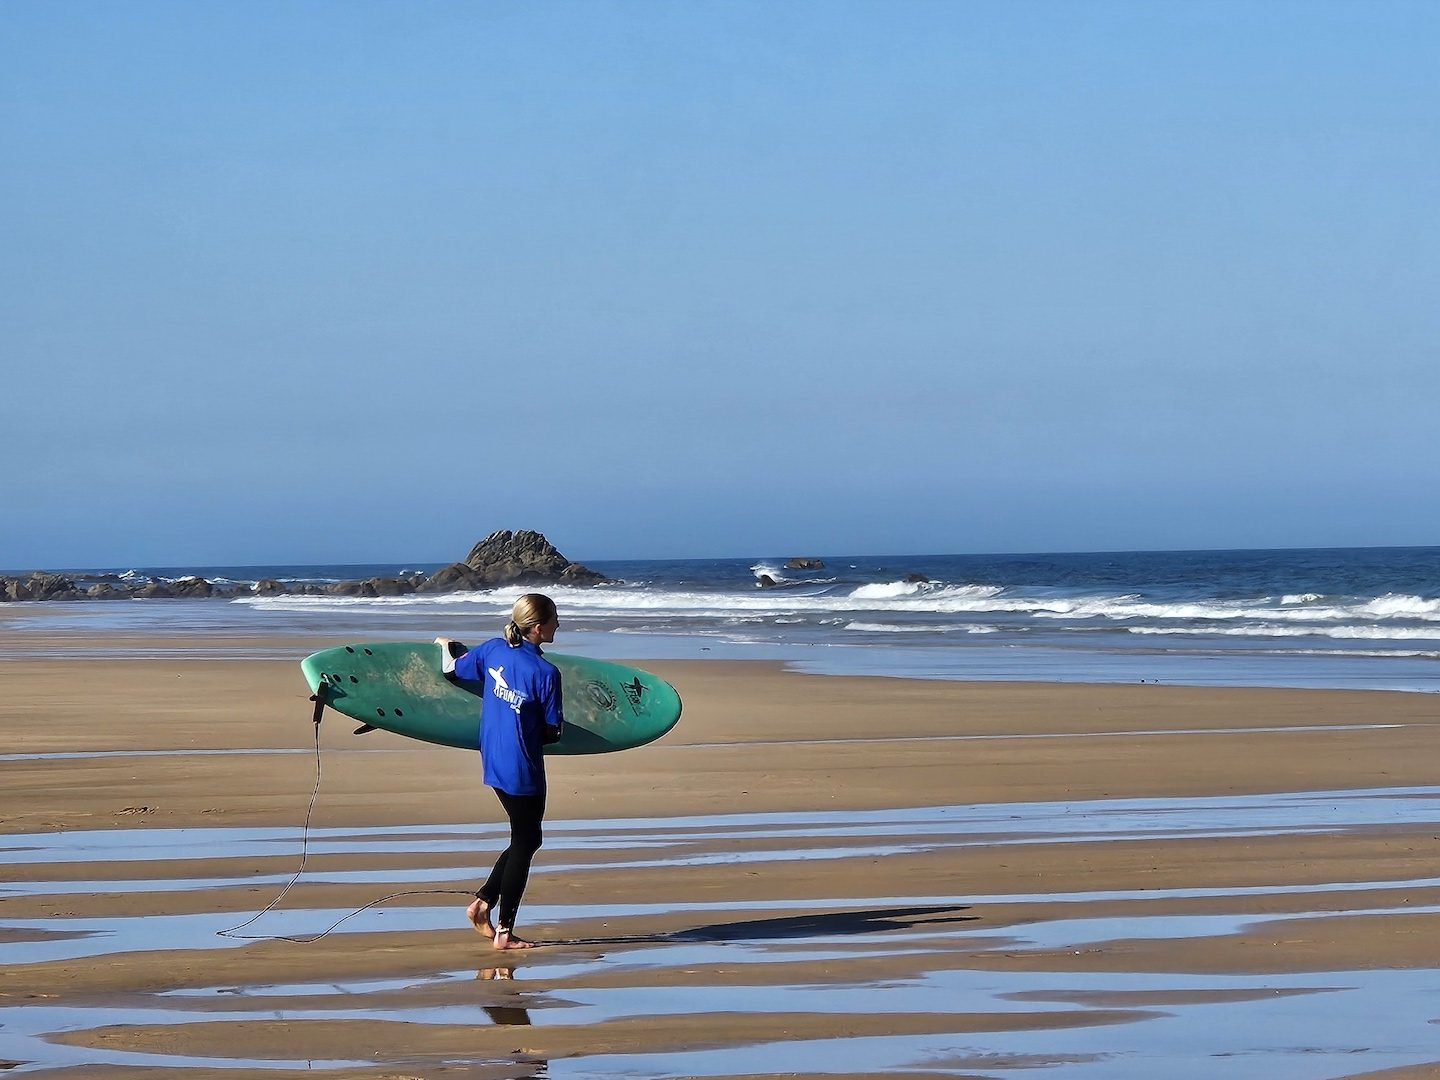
[811,875]
[1006,424]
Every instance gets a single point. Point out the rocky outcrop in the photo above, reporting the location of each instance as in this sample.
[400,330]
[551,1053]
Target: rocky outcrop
[525,558]
[193,587]
[578,574]
[391,586]
[370,587]
[457,577]
[39,586]
[502,558]
[802,562]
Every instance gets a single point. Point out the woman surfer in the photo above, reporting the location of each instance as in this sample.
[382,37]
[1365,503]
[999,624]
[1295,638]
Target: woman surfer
[520,712]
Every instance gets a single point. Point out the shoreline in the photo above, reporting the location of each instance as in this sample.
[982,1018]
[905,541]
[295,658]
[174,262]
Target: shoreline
[1095,855]
[72,640]
[1336,618]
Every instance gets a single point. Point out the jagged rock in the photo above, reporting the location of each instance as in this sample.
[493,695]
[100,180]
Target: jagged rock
[375,586]
[39,586]
[378,586]
[192,588]
[525,557]
[42,586]
[917,579]
[765,581]
[457,577]
[801,562]
[502,558]
[579,574]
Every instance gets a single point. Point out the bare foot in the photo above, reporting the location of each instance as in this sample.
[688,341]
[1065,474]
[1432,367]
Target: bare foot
[479,915]
[506,939]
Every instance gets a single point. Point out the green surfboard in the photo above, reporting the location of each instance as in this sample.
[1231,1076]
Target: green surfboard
[399,687]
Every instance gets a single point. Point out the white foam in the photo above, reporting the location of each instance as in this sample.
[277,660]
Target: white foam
[1131,607]
[1379,654]
[1353,632]
[1393,605]
[899,598]
[901,590]
[618,602]
[888,591]
[904,612]
[893,628]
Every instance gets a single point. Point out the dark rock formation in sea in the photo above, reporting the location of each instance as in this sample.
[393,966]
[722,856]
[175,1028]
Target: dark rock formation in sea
[193,587]
[502,558]
[40,586]
[380,586]
[525,558]
[803,562]
[457,577]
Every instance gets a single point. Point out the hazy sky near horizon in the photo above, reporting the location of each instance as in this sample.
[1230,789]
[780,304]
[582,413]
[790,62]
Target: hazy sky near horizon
[347,282]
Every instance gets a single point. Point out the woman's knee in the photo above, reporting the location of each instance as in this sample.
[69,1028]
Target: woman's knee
[531,839]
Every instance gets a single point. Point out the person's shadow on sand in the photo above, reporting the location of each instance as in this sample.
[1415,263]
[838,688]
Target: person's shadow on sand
[813,925]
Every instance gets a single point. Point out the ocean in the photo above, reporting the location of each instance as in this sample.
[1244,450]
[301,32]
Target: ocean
[1365,618]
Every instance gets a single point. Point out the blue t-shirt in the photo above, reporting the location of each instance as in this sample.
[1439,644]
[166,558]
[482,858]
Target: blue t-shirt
[522,697]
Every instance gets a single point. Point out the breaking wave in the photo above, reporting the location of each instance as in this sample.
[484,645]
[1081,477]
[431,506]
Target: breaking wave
[1371,603]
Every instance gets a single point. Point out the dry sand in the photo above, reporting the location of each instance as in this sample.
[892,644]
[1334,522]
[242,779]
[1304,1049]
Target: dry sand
[900,904]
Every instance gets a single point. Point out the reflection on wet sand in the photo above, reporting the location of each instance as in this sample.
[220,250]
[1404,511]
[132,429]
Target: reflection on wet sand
[503,1015]
[951,984]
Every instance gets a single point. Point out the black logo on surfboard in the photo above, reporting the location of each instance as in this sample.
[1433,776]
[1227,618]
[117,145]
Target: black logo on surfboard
[601,695]
[634,691]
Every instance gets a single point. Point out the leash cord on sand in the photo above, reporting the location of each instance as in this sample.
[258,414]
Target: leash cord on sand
[304,855]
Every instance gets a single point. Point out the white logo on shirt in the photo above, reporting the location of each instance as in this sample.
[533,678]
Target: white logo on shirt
[513,698]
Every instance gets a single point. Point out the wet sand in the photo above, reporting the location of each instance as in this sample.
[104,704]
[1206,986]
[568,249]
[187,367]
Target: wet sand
[809,876]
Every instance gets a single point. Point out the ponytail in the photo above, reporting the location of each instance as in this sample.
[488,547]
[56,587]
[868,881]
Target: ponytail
[532,609]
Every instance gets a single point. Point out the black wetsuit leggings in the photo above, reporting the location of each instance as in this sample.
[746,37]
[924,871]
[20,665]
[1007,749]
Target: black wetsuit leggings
[506,884]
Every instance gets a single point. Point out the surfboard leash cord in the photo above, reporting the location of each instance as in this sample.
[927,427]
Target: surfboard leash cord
[304,855]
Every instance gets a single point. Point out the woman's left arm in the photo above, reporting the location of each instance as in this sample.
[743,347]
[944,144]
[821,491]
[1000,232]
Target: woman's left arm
[554,710]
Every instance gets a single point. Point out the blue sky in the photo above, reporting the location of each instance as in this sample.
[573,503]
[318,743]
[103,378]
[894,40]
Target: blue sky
[342,282]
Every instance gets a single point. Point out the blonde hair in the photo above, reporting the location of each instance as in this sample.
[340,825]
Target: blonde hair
[532,609]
